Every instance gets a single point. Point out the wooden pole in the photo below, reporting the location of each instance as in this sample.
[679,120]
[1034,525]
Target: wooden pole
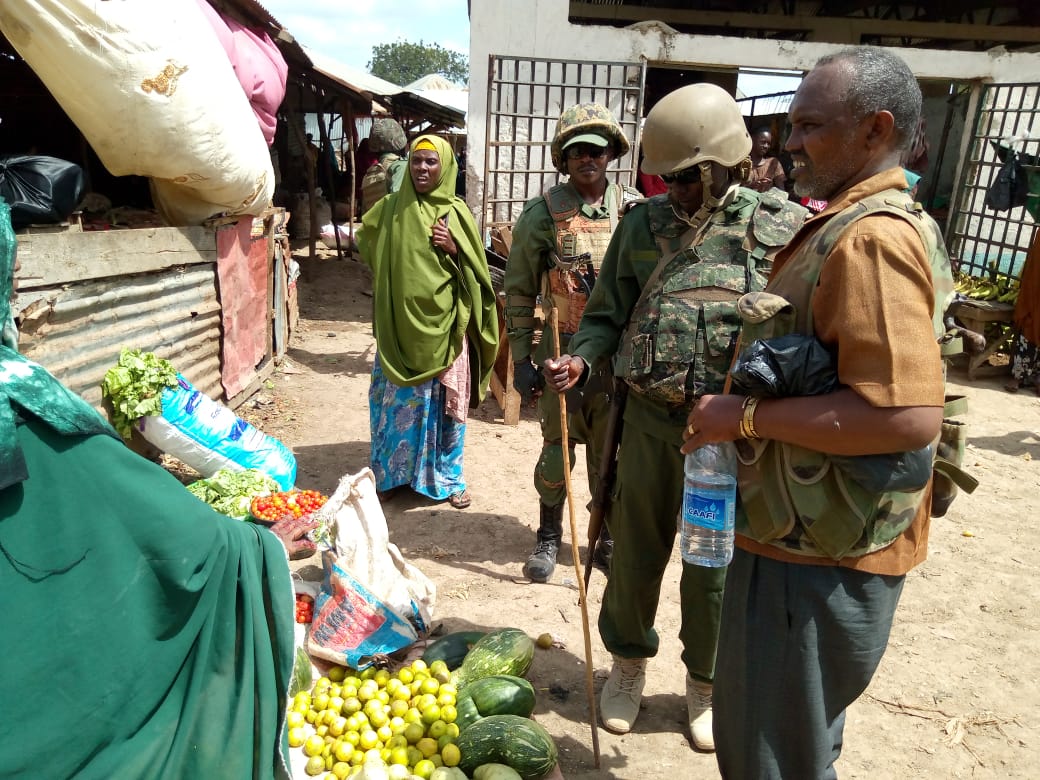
[593,720]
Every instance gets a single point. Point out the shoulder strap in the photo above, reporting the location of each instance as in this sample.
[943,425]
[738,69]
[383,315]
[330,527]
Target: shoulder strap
[562,203]
[898,204]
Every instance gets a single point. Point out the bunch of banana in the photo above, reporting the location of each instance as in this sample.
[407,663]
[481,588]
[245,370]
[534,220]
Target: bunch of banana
[1010,294]
[1000,288]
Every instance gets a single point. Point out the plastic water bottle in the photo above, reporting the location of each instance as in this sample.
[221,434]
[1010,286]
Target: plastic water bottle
[709,504]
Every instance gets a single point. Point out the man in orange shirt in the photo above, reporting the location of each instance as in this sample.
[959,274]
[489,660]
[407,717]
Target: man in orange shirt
[821,560]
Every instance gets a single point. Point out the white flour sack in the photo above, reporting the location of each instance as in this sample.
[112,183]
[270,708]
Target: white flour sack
[153,92]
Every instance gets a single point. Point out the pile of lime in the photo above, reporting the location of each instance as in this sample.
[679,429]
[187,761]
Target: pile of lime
[405,721]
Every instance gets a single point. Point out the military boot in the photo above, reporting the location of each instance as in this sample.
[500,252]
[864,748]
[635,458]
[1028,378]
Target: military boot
[540,565]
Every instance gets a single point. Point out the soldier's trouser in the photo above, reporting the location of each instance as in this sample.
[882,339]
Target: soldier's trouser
[642,521]
[585,425]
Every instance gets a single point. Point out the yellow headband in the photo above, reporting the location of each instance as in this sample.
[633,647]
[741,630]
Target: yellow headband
[425,143]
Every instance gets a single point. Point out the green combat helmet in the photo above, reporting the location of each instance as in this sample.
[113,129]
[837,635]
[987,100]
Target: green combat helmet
[387,136]
[591,118]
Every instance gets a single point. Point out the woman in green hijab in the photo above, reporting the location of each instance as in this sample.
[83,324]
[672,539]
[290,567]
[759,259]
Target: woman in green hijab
[435,323]
[161,631]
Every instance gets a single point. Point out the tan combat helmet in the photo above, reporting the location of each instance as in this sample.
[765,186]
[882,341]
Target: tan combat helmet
[586,119]
[694,124]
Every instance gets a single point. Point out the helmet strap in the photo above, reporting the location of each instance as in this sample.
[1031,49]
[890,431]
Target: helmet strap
[709,203]
[708,199]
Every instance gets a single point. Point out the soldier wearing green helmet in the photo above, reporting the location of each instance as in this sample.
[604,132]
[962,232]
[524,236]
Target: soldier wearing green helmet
[388,142]
[665,310]
[558,244]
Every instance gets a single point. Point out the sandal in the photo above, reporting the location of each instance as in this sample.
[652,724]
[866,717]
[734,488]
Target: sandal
[460,500]
[1012,385]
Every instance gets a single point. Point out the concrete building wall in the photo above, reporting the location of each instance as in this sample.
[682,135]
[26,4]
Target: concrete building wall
[540,28]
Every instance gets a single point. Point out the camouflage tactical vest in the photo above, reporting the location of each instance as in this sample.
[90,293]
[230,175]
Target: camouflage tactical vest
[581,243]
[375,184]
[681,334]
[798,499]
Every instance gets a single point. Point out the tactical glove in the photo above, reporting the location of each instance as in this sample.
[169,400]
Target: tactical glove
[527,380]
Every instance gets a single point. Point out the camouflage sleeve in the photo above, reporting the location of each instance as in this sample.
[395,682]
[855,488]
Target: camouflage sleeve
[533,241]
[627,264]
[397,171]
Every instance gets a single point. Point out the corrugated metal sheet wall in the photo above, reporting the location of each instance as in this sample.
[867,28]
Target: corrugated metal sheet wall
[76,331]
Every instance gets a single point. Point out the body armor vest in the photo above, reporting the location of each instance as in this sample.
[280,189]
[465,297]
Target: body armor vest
[581,243]
[375,184]
[799,499]
[683,330]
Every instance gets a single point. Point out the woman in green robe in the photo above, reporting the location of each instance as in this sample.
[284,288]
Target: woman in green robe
[143,635]
[436,326]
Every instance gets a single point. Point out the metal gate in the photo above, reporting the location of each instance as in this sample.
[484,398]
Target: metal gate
[982,240]
[525,98]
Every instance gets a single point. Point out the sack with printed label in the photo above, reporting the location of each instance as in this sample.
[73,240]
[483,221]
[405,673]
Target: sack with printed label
[372,602]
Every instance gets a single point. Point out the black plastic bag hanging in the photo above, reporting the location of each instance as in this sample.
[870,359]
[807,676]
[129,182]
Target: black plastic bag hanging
[795,365]
[1010,188]
[39,189]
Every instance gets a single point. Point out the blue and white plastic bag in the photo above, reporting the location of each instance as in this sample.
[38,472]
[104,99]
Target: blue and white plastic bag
[208,436]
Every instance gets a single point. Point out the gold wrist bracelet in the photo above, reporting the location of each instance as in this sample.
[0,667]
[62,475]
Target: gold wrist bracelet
[747,422]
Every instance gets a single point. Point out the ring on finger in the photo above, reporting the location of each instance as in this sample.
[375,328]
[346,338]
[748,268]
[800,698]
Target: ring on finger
[691,429]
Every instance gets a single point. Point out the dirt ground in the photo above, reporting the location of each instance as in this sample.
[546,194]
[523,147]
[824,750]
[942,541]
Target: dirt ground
[957,695]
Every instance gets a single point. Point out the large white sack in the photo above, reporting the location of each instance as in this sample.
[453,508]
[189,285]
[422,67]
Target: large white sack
[153,92]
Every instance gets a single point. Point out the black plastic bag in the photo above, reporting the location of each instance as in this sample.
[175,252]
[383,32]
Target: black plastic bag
[39,190]
[1010,188]
[800,365]
[785,365]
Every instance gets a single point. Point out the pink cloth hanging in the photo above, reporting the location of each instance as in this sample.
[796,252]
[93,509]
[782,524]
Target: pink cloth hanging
[257,62]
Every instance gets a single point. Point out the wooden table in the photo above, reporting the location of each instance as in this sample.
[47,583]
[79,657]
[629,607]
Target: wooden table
[974,315]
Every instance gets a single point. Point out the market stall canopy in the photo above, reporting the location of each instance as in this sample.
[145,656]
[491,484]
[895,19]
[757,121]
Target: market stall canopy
[437,89]
[405,103]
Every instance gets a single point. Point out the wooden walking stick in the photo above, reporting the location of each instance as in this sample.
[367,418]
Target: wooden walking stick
[554,322]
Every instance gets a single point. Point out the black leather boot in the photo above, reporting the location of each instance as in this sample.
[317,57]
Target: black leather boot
[540,565]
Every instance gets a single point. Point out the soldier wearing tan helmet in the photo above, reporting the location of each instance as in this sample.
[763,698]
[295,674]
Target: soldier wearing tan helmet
[558,244]
[665,310]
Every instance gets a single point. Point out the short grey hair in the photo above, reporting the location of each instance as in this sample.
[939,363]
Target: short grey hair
[880,81]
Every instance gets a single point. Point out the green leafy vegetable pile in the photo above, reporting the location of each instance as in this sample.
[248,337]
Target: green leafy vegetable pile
[229,492]
[134,386]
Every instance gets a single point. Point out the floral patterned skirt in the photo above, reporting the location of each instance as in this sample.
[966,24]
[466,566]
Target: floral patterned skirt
[414,442]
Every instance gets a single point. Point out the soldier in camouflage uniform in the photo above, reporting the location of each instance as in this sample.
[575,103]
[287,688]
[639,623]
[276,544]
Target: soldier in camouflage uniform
[820,560]
[558,244]
[388,142]
[665,308]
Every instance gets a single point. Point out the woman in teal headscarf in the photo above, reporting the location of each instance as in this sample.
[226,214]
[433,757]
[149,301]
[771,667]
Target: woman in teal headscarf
[153,634]
[436,326]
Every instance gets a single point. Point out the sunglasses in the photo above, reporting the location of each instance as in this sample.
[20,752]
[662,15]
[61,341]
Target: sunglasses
[689,175]
[585,150]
